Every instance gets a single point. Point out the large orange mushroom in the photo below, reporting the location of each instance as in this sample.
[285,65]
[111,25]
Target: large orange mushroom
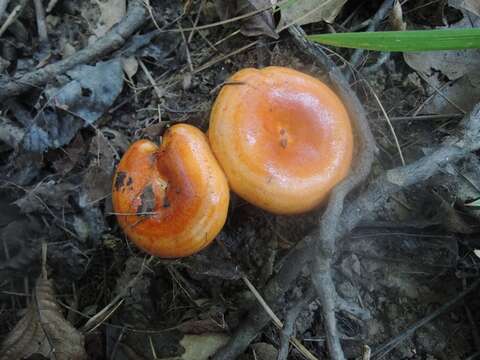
[283,138]
[171,200]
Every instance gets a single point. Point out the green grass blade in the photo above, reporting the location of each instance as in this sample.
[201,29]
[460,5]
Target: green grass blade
[417,40]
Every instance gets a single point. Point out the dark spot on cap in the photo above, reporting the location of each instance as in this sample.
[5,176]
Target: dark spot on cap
[147,201]
[120,180]
[129,181]
[166,202]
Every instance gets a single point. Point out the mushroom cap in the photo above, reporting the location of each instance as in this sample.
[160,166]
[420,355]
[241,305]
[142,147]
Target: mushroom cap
[283,138]
[171,200]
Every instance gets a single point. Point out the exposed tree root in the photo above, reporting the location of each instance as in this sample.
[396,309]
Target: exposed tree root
[337,220]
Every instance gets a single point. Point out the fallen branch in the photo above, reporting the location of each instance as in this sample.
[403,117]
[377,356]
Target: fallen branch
[365,203]
[113,40]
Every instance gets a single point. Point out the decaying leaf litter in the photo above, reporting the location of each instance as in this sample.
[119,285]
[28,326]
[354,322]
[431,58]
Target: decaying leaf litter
[396,245]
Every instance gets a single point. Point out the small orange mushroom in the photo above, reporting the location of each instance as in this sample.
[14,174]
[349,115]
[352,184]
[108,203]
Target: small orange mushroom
[171,200]
[283,138]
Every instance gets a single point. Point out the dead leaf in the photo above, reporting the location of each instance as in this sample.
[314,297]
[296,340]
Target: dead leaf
[201,347]
[43,330]
[98,178]
[84,99]
[111,12]
[70,156]
[130,66]
[453,64]
[303,12]
[45,196]
[256,25]
[264,351]
[464,93]
[470,5]
[460,66]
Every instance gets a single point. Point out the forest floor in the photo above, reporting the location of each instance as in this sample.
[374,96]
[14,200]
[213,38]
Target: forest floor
[80,81]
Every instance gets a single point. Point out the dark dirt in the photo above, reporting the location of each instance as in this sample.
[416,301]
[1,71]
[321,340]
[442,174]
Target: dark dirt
[402,263]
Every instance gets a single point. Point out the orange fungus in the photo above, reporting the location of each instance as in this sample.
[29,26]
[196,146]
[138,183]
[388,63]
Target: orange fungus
[171,200]
[283,138]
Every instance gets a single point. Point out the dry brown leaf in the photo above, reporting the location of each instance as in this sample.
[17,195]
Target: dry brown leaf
[453,63]
[462,67]
[303,12]
[259,24]
[43,330]
[201,347]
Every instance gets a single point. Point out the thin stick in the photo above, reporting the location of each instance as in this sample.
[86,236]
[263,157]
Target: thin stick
[195,22]
[367,352]
[392,129]
[439,92]
[51,5]
[278,323]
[150,78]
[10,19]
[426,117]
[41,22]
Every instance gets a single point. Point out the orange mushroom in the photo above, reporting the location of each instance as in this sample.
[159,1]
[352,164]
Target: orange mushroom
[283,138]
[171,200]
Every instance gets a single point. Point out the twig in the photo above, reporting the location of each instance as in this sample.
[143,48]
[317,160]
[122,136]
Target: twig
[384,349]
[439,92]
[367,352]
[41,22]
[11,18]
[195,22]
[117,342]
[278,323]
[427,117]
[113,40]
[390,126]
[289,323]
[150,78]
[51,5]
[187,50]
[377,18]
